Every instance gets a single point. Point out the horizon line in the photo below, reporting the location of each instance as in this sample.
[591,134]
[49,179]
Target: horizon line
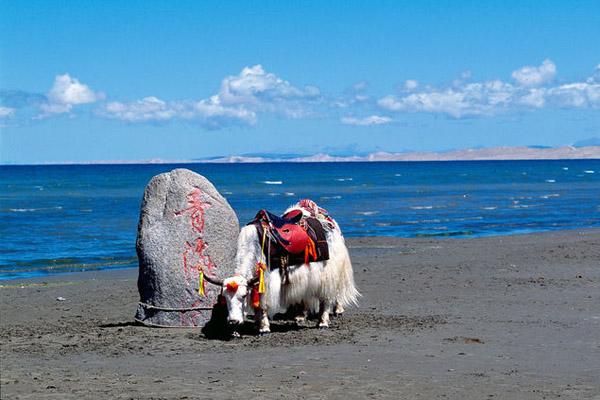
[498,153]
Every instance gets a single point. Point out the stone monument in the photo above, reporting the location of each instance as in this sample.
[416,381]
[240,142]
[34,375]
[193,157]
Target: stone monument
[186,229]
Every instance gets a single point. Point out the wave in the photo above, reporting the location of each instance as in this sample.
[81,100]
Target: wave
[589,171]
[272,182]
[550,180]
[547,196]
[41,267]
[34,209]
[443,234]
[523,205]
[421,207]
[367,213]
[475,218]
[343,179]
[289,193]
[330,197]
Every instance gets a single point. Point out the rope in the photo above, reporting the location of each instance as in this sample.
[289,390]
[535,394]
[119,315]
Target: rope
[262,247]
[152,325]
[261,266]
[153,307]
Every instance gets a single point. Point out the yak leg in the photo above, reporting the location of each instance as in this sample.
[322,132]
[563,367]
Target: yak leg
[302,313]
[338,310]
[325,310]
[262,321]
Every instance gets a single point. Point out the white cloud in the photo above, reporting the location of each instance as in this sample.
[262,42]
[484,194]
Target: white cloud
[65,93]
[411,84]
[146,109]
[360,86]
[535,98]
[151,109]
[575,95]
[469,100]
[69,90]
[256,89]
[243,98]
[367,121]
[532,91]
[535,76]
[238,102]
[6,112]
[215,115]
[449,102]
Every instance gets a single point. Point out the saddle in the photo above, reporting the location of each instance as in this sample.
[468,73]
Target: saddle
[291,239]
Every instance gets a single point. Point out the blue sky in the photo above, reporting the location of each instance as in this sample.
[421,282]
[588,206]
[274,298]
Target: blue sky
[83,81]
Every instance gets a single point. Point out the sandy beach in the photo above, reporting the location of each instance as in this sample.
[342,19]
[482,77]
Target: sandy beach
[511,317]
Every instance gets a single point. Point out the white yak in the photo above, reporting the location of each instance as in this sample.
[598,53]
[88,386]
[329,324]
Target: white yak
[328,283]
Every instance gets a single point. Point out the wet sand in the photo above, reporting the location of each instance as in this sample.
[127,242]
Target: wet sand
[513,317]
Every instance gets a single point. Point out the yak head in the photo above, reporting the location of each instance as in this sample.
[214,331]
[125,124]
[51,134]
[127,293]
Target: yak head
[235,290]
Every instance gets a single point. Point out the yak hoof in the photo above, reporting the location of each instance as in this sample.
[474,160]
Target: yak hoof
[263,333]
[323,325]
[236,335]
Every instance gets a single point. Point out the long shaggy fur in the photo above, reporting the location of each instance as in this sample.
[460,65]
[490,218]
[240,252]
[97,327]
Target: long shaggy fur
[330,281]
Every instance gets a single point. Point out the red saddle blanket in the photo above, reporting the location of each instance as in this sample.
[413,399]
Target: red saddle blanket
[291,239]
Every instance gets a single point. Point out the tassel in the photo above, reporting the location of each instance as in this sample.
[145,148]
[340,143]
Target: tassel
[310,251]
[262,287]
[201,283]
[255,298]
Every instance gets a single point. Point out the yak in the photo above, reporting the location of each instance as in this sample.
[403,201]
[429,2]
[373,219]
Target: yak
[324,286]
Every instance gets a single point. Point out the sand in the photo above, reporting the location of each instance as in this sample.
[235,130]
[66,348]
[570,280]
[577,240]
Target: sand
[514,317]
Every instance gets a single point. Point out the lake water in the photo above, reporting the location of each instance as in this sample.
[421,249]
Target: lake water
[84,217]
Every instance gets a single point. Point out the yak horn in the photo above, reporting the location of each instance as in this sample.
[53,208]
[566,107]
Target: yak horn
[214,281]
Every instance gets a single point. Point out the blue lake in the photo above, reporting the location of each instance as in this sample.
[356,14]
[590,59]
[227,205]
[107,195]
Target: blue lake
[84,217]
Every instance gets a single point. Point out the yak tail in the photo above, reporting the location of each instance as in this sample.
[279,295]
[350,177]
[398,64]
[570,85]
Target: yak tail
[347,292]
[338,276]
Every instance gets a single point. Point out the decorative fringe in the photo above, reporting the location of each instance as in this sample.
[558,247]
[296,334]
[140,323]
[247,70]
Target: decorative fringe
[310,251]
[255,298]
[201,283]
[261,267]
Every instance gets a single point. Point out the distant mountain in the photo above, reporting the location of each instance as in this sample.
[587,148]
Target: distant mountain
[490,153]
[593,141]
[493,153]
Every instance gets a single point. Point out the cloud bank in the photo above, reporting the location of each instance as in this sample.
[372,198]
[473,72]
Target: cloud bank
[238,102]
[243,99]
[529,90]
[366,121]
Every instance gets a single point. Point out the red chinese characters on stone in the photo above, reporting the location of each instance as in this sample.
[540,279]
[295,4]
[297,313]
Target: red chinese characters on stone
[196,209]
[195,257]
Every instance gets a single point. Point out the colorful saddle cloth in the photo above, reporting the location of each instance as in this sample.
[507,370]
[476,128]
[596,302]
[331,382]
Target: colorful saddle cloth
[291,239]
